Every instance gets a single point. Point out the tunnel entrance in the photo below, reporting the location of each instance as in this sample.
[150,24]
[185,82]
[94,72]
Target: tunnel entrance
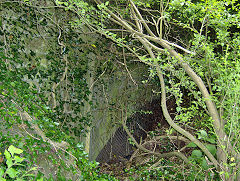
[148,118]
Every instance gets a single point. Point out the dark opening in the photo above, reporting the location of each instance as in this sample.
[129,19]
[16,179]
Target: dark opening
[119,147]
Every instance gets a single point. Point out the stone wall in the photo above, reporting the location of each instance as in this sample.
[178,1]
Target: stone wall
[118,92]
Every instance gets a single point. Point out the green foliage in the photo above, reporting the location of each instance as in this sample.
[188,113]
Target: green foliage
[14,167]
[210,29]
[168,170]
[41,63]
[29,67]
[16,96]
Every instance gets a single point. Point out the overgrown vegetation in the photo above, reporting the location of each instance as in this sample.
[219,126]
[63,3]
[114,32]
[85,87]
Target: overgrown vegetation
[46,148]
[191,49]
[41,100]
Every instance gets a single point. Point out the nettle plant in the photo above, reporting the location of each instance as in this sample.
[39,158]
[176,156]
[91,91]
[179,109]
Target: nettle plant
[14,166]
[193,49]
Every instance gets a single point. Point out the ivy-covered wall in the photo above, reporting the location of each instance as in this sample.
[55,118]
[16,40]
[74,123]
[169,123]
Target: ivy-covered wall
[54,57]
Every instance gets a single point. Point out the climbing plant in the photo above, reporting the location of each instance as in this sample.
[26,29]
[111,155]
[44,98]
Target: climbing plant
[43,92]
[49,64]
[190,48]
[193,50]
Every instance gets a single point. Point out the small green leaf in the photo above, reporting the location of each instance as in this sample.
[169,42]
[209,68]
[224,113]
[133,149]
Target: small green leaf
[18,159]
[211,140]
[7,154]
[13,84]
[12,172]
[192,145]
[212,149]
[12,149]
[202,134]
[204,163]
[59,2]
[197,154]
[9,162]
[3,179]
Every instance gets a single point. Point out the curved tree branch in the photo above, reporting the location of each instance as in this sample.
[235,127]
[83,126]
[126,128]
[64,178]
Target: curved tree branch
[159,155]
[118,20]
[141,19]
[166,113]
[175,126]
